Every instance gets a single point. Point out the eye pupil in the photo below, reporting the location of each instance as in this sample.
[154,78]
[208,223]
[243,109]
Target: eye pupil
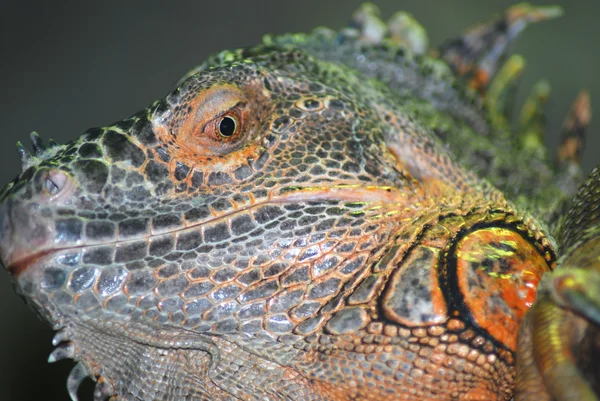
[227,126]
[51,187]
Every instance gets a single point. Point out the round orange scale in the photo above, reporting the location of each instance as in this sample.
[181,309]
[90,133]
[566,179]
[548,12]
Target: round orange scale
[498,272]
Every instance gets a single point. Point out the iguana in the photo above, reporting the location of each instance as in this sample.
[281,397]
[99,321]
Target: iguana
[326,216]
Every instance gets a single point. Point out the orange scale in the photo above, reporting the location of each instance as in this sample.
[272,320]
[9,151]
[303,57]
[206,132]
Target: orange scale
[498,272]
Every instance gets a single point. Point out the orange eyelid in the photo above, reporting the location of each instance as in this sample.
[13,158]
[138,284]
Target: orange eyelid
[221,115]
[195,134]
[190,131]
[215,101]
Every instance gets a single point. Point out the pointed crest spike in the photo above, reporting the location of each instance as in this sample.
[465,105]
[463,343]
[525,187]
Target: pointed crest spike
[477,55]
[405,30]
[532,13]
[52,143]
[59,337]
[532,120]
[502,90]
[367,19]
[65,351]
[77,375]
[573,135]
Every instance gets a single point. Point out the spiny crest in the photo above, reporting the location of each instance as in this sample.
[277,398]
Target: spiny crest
[479,60]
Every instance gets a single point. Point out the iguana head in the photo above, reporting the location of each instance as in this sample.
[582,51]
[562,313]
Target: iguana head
[245,182]
[207,168]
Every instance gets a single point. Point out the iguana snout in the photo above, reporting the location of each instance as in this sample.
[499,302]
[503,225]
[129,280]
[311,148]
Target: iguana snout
[27,231]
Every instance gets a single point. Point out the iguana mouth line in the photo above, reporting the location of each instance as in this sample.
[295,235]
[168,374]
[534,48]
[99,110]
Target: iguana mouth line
[345,193]
[16,268]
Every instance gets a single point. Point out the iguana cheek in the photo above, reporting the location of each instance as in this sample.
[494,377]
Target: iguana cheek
[487,275]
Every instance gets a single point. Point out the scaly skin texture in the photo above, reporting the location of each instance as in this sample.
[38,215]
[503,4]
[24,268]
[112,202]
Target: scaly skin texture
[329,216]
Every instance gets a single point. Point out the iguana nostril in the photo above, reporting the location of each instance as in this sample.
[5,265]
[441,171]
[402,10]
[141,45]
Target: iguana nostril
[55,182]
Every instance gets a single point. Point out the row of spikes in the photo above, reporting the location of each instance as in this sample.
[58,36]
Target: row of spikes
[65,349]
[479,58]
[38,146]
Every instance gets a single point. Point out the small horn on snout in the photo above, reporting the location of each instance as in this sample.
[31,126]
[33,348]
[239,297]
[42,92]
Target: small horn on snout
[24,153]
[37,143]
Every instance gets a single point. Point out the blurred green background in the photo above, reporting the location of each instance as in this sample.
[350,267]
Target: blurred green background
[67,66]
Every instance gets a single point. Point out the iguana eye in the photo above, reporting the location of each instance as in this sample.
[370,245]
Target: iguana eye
[216,122]
[226,128]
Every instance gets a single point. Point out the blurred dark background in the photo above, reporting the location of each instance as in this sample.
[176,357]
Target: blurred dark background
[67,66]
